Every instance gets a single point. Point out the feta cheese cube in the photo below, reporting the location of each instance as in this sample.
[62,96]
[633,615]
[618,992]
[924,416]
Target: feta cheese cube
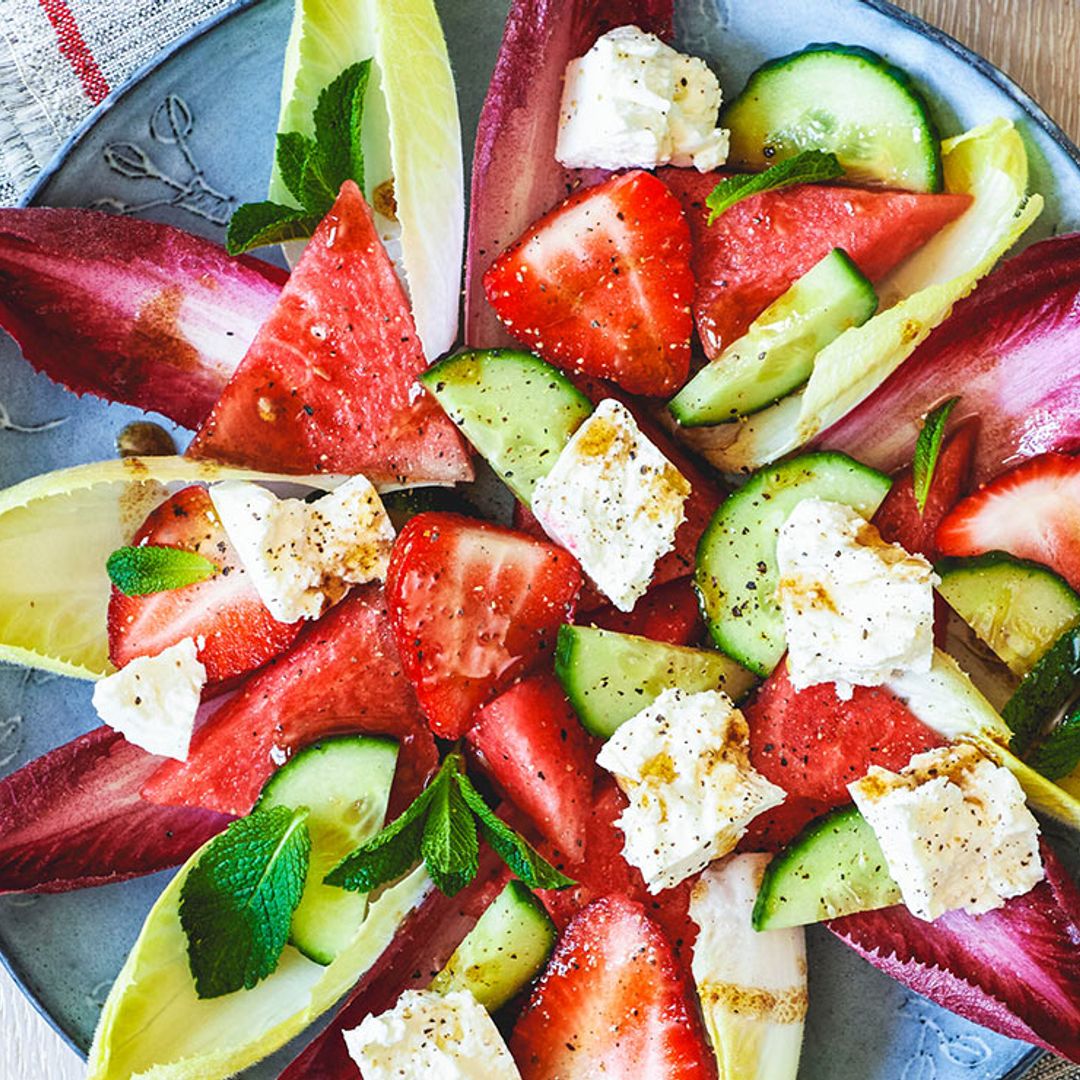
[152,700]
[631,101]
[302,557]
[857,611]
[614,501]
[684,764]
[431,1036]
[954,829]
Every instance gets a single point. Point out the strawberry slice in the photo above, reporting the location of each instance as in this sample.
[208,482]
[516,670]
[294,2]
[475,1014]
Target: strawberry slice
[341,675]
[612,1002]
[899,519]
[602,284]
[474,606]
[230,624]
[531,743]
[329,383]
[1031,511]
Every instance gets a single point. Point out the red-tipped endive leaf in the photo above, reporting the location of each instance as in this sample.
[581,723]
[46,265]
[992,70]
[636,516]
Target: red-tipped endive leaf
[74,818]
[515,176]
[1011,352]
[129,310]
[1015,970]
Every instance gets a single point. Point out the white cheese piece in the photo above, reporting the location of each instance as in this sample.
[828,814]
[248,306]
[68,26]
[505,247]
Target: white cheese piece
[684,764]
[431,1036]
[632,101]
[302,557]
[954,829]
[614,501]
[857,611]
[152,700]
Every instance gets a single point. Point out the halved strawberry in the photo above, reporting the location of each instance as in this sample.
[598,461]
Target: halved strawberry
[230,624]
[474,606]
[612,1002]
[531,743]
[1031,511]
[602,284]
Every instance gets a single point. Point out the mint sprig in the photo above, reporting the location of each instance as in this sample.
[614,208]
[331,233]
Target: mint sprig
[807,167]
[440,827]
[1060,752]
[927,450]
[237,902]
[312,169]
[136,571]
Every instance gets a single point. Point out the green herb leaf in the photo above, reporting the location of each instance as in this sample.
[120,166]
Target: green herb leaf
[512,848]
[450,846]
[1060,753]
[808,167]
[136,571]
[1044,691]
[238,900]
[293,152]
[927,449]
[338,116]
[315,191]
[258,224]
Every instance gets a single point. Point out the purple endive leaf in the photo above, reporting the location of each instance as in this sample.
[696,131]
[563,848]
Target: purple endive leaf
[74,817]
[127,310]
[1010,352]
[515,176]
[1015,970]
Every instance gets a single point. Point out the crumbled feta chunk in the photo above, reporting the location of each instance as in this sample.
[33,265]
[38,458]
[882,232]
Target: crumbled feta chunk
[631,101]
[431,1036]
[152,700]
[857,611]
[684,764]
[302,557]
[614,501]
[954,829]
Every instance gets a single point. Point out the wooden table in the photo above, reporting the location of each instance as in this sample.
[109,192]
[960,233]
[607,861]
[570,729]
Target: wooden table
[1037,42]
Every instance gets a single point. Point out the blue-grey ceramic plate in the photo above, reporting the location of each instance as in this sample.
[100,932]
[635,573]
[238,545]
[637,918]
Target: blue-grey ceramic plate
[189,139]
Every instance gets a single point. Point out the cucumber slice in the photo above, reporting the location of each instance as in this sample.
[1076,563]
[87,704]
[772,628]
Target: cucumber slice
[834,867]
[518,411]
[345,784]
[1018,608]
[736,574]
[843,99]
[776,355]
[610,677]
[503,952]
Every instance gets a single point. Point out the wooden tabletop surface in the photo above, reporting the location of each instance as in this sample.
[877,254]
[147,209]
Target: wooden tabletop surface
[1036,42]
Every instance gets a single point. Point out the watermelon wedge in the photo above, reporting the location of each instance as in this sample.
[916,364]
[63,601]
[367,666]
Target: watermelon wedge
[329,384]
[668,612]
[74,818]
[1015,970]
[754,251]
[341,675]
[129,310]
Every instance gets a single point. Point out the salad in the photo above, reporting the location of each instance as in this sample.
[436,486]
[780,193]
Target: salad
[518,697]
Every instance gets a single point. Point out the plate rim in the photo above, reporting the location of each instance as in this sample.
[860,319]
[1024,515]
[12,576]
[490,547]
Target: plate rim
[906,19]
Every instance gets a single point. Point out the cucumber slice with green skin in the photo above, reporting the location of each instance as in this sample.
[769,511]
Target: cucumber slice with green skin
[518,411]
[736,573]
[776,355]
[610,677]
[1018,608]
[843,99]
[834,867]
[1044,691]
[345,784]
[503,952]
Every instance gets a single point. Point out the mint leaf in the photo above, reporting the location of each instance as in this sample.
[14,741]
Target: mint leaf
[314,189]
[1060,753]
[293,152]
[136,571]
[258,224]
[512,848]
[338,116]
[927,449]
[238,900]
[450,847]
[808,167]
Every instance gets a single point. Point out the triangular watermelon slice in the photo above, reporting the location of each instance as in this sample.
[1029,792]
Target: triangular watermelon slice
[754,251]
[329,383]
